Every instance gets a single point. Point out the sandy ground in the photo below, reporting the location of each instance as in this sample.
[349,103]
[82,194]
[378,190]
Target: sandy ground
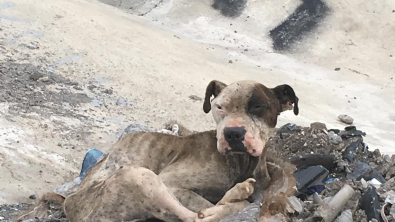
[105,68]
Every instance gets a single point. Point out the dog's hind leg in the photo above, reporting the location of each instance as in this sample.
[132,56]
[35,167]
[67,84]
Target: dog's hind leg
[132,193]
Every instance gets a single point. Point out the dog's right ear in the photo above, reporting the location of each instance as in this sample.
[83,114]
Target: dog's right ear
[213,89]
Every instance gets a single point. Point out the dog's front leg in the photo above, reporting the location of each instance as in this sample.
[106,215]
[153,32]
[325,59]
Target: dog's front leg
[233,201]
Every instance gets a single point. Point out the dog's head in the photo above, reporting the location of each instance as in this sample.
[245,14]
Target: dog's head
[246,112]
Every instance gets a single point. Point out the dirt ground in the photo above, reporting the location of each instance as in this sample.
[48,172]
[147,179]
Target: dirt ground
[75,73]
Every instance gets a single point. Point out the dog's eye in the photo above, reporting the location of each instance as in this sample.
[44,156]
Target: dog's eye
[219,107]
[258,109]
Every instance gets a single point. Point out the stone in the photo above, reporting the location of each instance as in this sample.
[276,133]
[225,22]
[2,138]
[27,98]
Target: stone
[317,126]
[134,128]
[334,138]
[345,216]
[32,197]
[346,119]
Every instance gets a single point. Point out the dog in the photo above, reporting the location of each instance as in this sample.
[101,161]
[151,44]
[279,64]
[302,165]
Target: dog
[199,177]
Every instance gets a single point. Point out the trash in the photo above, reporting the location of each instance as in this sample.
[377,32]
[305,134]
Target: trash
[374,182]
[345,216]
[287,128]
[353,133]
[370,204]
[363,170]
[317,199]
[296,205]
[346,119]
[328,211]
[315,189]
[364,183]
[331,180]
[390,197]
[327,161]
[309,177]
[350,151]
[91,158]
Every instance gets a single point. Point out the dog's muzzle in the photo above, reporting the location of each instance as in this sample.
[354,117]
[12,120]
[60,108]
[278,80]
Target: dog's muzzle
[235,137]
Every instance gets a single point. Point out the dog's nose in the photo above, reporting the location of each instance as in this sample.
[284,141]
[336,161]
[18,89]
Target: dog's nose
[234,135]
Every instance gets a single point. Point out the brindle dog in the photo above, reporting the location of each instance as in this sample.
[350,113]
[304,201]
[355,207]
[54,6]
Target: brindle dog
[171,178]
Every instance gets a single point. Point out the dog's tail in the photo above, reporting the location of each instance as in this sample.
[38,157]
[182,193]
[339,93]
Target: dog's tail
[45,206]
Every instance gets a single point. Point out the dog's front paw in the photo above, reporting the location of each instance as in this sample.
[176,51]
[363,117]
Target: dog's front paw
[239,192]
[170,129]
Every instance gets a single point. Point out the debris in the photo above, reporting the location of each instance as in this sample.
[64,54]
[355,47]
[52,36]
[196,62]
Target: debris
[337,69]
[389,197]
[334,138]
[346,119]
[317,199]
[327,161]
[350,151]
[363,170]
[295,204]
[345,216]
[309,177]
[328,212]
[370,204]
[331,180]
[32,197]
[374,182]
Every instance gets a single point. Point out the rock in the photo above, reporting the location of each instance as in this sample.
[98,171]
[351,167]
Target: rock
[230,61]
[334,138]
[337,69]
[32,197]
[121,101]
[195,98]
[370,204]
[134,128]
[318,127]
[363,170]
[390,173]
[248,214]
[286,128]
[36,76]
[346,119]
[108,91]
[345,216]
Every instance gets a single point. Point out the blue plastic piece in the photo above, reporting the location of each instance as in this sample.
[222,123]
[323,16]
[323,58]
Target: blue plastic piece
[330,180]
[90,160]
[315,189]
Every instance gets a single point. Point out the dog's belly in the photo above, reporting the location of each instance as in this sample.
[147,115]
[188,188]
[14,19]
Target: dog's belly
[210,179]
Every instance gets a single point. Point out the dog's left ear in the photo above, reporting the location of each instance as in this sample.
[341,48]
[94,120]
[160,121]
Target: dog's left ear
[286,95]
[213,89]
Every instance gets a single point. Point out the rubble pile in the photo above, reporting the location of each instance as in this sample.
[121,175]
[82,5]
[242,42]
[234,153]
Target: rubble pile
[338,177]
